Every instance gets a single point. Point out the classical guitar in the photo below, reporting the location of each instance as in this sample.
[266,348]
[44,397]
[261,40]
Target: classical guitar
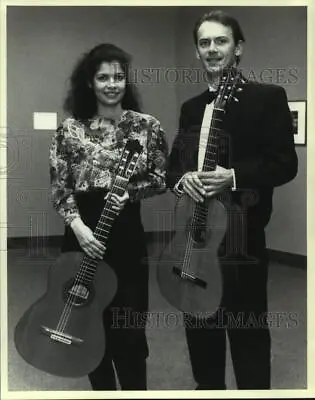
[188,272]
[62,333]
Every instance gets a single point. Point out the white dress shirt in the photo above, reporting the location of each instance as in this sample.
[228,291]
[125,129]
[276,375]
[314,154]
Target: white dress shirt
[203,140]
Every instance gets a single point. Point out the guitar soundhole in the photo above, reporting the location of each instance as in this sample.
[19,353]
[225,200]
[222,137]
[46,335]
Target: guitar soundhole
[197,228]
[199,235]
[198,232]
[77,294]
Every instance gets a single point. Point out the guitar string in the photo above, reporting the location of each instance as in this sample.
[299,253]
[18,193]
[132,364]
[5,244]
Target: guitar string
[189,246]
[76,284]
[85,264]
[194,224]
[187,256]
[190,241]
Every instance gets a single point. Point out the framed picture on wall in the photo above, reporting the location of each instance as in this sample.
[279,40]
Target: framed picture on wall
[298,113]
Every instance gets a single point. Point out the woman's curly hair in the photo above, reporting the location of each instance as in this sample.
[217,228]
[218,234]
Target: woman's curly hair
[80,101]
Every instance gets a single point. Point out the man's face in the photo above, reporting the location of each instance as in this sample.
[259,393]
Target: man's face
[215,47]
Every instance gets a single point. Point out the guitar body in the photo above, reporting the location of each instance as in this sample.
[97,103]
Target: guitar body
[194,251]
[77,344]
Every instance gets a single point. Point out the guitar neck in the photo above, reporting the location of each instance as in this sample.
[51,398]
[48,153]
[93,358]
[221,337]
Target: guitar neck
[108,215]
[210,159]
[89,265]
[227,86]
[211,154]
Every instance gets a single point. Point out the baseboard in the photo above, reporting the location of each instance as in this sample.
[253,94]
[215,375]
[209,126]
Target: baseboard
[290,259]
[56,240]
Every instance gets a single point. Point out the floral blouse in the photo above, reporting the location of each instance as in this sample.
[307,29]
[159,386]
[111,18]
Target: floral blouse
[85,154]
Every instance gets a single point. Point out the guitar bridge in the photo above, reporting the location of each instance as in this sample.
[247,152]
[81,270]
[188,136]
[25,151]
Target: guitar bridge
[60,336]
[193,279]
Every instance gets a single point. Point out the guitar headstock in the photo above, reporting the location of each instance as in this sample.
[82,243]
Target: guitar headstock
[228,89]
[134,146]
[129,158]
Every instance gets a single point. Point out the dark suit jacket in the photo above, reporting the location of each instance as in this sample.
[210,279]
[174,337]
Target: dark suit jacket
[257,142]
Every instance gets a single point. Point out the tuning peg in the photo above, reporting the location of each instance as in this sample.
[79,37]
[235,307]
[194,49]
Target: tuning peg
[239,89]
[235,99]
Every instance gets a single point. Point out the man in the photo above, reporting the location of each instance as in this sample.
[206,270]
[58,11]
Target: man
[256,154]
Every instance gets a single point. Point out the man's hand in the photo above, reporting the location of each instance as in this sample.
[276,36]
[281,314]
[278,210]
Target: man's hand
[215,182]
[199,184]
[192,186]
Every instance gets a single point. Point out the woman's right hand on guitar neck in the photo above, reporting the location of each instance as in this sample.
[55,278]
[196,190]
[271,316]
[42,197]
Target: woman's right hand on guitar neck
[89,244]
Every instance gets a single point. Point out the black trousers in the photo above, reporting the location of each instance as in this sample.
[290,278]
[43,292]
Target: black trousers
[242,317]
[124,319]
[126,345]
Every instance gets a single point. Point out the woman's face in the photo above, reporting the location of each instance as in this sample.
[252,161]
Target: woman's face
[109,84]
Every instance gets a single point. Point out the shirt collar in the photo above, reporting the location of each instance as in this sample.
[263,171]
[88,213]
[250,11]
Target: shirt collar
[212,88]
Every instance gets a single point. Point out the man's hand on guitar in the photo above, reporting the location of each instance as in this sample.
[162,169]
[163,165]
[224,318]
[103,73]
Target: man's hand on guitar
[215,182]
[192,185]
[199,184]
[91,246]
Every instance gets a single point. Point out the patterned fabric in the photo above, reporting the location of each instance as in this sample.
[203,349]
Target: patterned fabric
[84,155]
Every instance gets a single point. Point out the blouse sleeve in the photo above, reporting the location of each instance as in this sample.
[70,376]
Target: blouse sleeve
[61,177]
[152,181]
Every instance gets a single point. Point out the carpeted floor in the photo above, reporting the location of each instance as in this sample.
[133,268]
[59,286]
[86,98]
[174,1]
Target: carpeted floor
[168,363]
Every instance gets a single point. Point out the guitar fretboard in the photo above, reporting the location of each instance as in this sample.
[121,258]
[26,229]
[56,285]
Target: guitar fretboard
[102,231]
[210,161]
[108,216]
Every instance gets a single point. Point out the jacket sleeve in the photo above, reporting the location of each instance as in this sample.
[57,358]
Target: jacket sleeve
[152,181]
[61,178]
[176,164]
[277,163]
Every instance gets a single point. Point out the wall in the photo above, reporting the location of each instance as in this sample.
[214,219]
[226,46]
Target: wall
[275,39]
[44,43]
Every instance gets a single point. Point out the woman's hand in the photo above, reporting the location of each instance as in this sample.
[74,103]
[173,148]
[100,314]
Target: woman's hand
[90,245]
[117,202]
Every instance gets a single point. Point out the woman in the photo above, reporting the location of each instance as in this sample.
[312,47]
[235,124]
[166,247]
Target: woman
[84,155]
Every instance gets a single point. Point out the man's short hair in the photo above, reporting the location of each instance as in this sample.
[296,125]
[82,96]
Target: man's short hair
[224,19]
